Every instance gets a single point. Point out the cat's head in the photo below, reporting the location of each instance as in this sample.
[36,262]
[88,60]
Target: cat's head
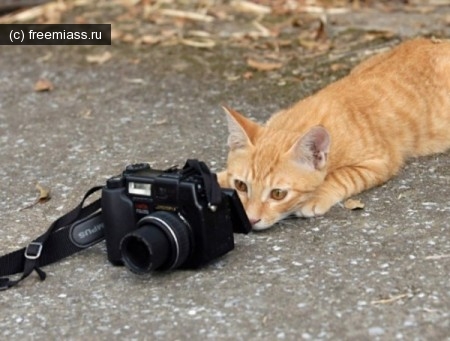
[274,171]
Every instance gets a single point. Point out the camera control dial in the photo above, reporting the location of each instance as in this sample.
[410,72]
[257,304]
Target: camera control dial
[137,167]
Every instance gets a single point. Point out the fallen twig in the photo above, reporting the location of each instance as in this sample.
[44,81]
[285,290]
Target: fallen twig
[202,43]
[390,300]
[186,15]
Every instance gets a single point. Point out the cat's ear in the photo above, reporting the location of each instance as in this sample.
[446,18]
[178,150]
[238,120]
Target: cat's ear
[241,129]
[312,148]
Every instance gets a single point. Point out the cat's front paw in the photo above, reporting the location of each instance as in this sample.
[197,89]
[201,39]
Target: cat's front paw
[314,207]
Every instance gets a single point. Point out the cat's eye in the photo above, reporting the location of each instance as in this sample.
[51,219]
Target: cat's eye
[278,194]
[240,185]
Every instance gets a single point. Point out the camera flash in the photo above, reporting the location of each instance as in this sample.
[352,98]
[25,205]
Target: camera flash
[139,188]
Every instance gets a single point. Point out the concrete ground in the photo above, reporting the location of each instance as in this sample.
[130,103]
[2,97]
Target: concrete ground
[381,273]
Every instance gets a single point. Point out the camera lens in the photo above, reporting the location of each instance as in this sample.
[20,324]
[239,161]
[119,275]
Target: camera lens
[161,242]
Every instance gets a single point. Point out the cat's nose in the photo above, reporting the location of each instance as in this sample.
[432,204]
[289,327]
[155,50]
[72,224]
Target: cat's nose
[254,221]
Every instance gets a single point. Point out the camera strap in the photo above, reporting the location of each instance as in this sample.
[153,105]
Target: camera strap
[79,229]
[55,244]
[212,188]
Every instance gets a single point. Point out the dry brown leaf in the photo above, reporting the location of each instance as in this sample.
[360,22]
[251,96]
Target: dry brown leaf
[430,2]
[86,114]
[128,38]
[43,196]
[43,85]
[322,10]
[263,66]
[49,13]
[135,81]
[248,75]
[160,121]
[337,66]
[354,204]
[435,40]
[307,43]
[99,58]
[129,3]
[45,57]
[314,45]
[247,6]
[116,34]
[135,61]
[80,20]
[230,76]
[150,39]
[321,32]
[201,43]
[80,3]
[199,33]
[44,193]
[283,43]
[26,15]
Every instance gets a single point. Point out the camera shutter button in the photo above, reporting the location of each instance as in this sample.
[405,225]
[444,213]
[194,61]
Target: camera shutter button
[115,182]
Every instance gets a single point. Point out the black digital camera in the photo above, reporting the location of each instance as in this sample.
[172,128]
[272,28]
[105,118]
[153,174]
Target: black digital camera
[176,218]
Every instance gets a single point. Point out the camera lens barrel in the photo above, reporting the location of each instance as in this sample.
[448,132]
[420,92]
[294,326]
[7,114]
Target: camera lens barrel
[161,242]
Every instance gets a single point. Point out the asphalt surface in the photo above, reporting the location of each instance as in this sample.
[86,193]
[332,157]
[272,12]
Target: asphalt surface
[381,273]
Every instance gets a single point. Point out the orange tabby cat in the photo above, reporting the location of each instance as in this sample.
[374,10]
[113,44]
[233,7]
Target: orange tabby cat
[354,134]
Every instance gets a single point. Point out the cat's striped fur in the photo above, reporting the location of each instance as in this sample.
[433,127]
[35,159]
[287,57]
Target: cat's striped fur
[352,135]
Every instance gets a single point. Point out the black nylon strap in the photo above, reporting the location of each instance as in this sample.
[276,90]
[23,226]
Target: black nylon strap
[48,248]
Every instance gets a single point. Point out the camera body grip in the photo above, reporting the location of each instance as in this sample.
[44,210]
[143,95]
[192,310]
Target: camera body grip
[120,219]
